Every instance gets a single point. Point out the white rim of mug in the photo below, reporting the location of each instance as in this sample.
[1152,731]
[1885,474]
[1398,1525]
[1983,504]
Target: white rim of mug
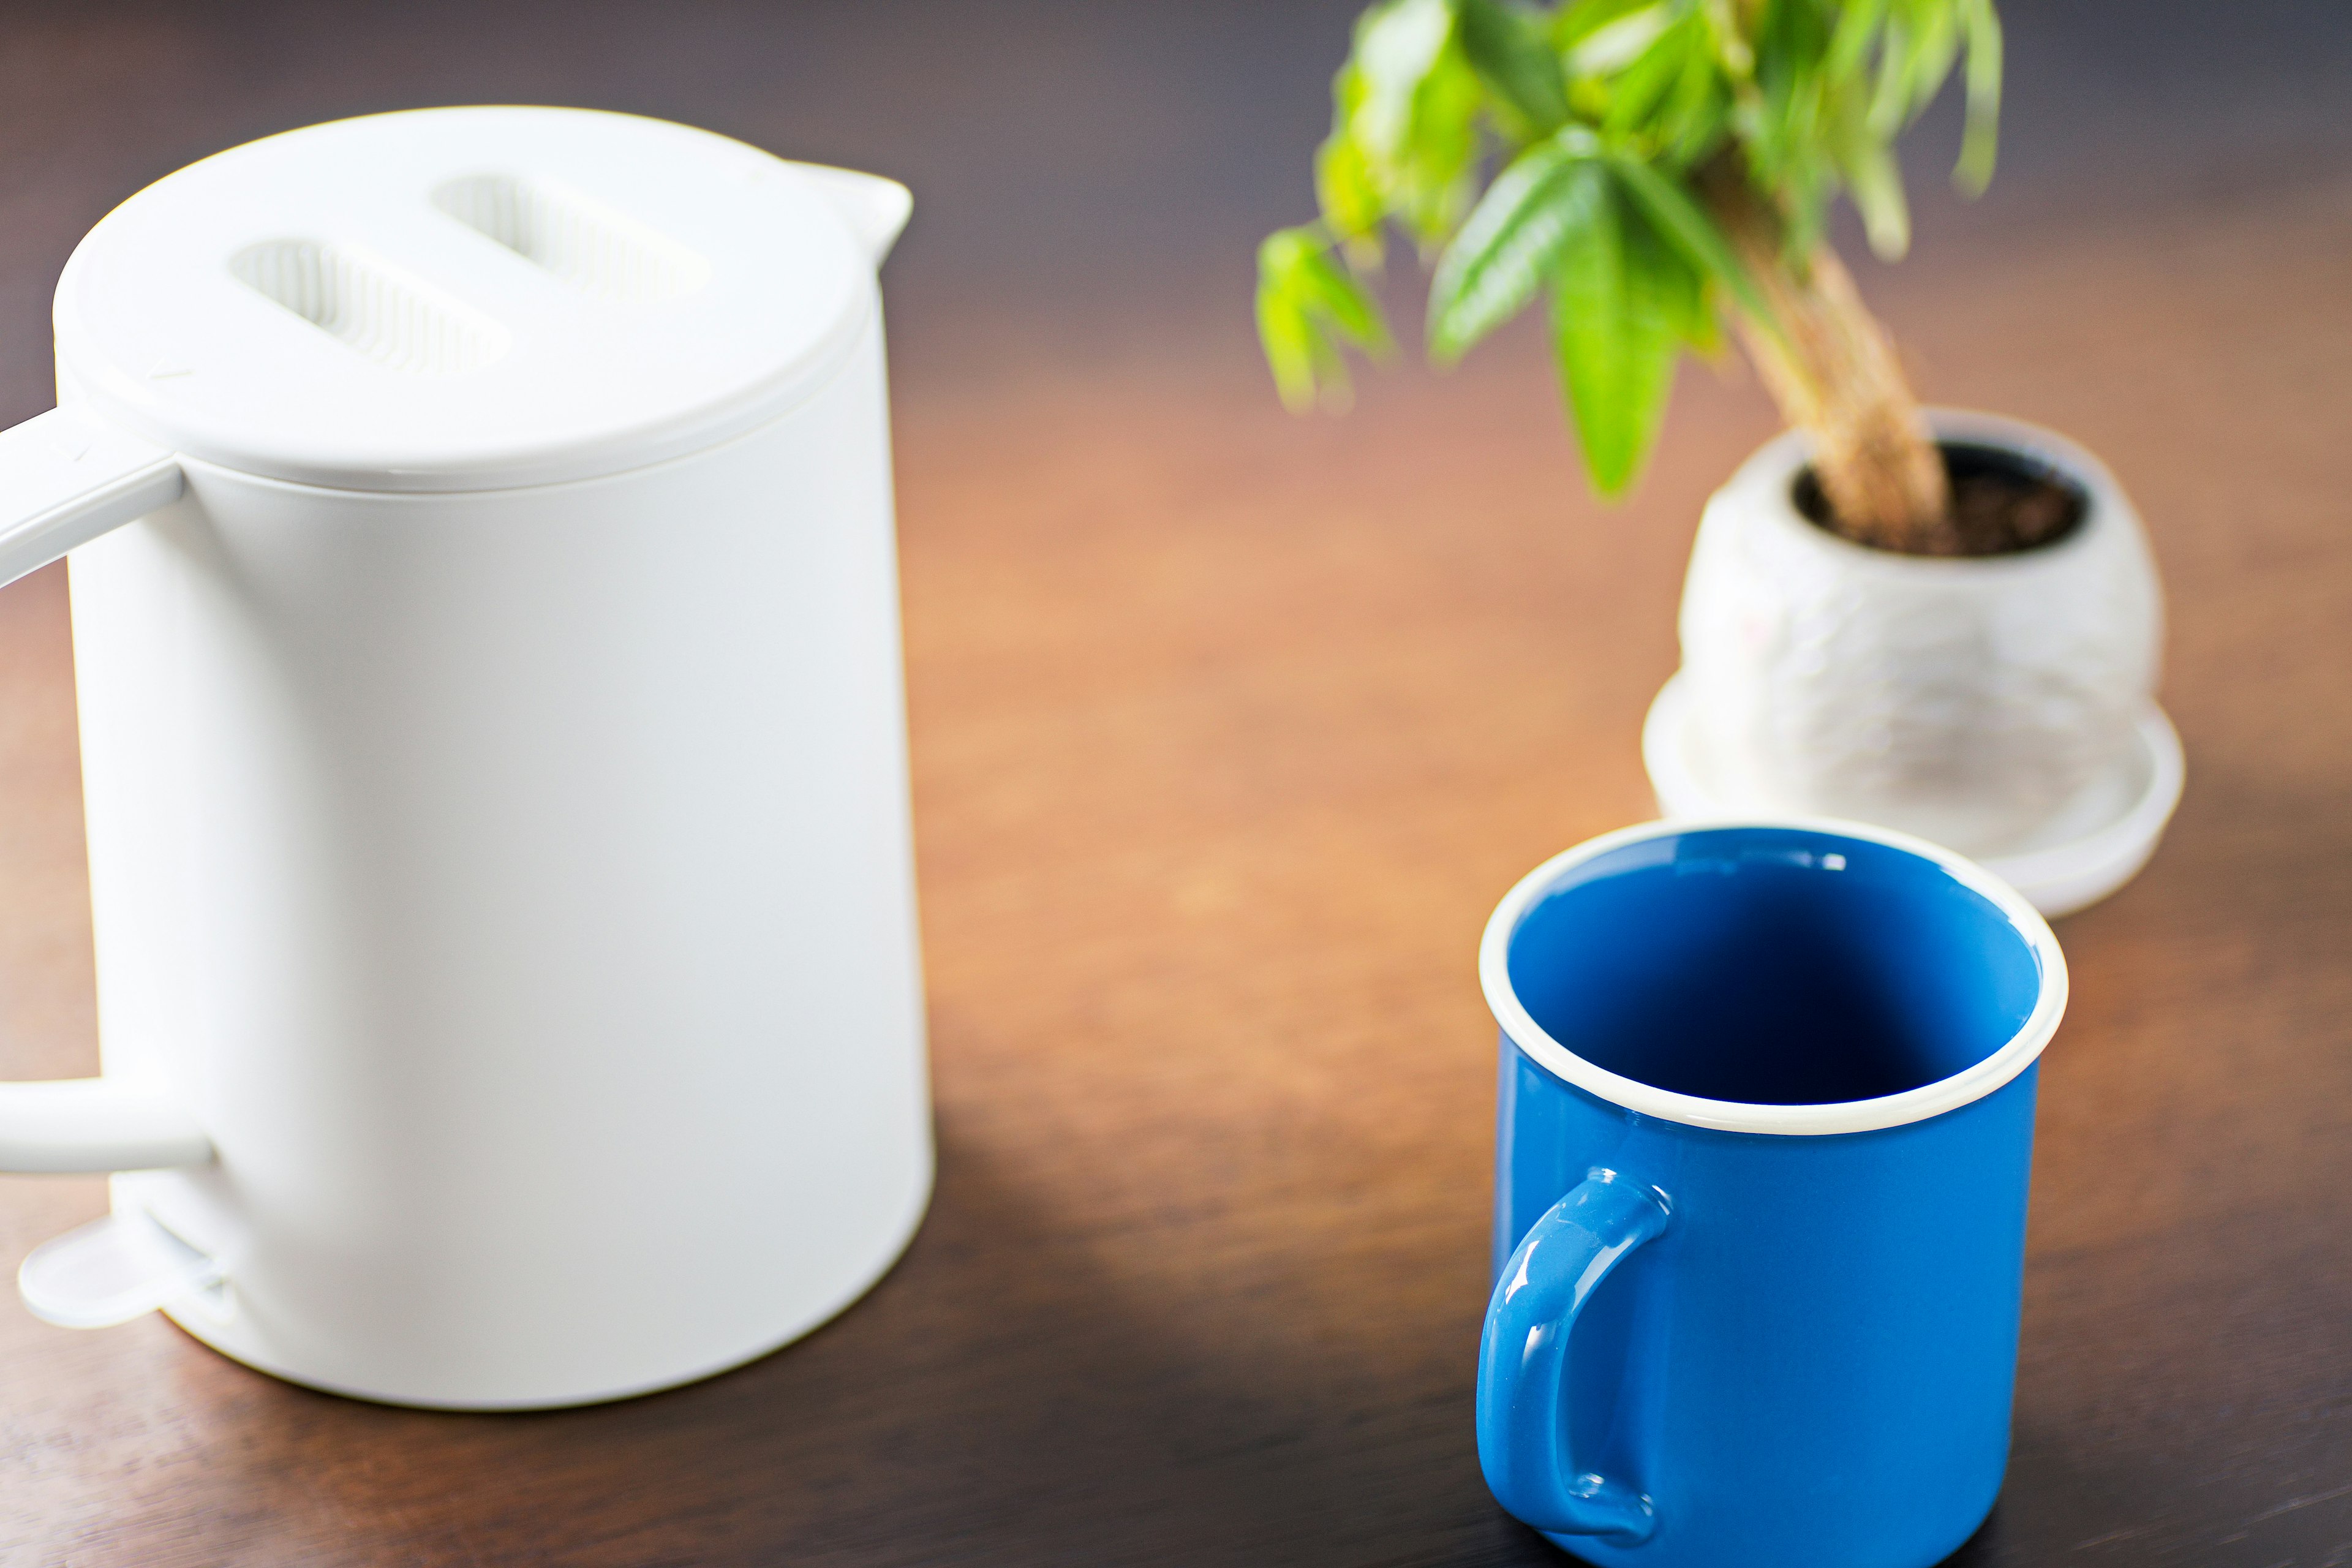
[1971,1083]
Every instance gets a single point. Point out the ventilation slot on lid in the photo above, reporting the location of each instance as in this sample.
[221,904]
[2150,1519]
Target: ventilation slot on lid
[591,248]
[391,319]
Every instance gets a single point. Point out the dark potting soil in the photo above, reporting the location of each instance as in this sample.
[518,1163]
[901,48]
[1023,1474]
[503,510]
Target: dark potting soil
[2002,502]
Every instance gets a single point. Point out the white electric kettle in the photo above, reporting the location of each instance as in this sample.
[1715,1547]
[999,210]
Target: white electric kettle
[486,630]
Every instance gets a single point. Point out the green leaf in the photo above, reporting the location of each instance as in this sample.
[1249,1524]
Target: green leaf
[1921,40]
[1610,50]
[1874,179]
[1574,23]
[1637,90]
[1981,140]
[1789,61]
[1435,187]
[1931,61]
[1875,183]
[1614,330]
[1691,120]
[1689,303]
[1850,40]
[1685,226]
[1732,50]
[1289,342]
[1410,101]
[1344,190]
[1511,239]
[1397,45]
[1333,296]
[1518,66]
[1894,49]
[1304,301]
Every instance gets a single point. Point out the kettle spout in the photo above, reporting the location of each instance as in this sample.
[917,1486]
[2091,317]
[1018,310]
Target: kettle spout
[875,208]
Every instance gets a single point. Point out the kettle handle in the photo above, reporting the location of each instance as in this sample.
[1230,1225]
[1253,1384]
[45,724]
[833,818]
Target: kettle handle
[65,478]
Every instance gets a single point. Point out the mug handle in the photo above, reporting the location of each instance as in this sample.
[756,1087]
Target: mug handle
[65,478]
[1523,1361]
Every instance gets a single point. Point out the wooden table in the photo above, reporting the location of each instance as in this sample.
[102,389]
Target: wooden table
[1228,730]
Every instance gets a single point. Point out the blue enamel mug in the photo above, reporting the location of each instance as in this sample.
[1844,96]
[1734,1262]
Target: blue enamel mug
[1767,1115]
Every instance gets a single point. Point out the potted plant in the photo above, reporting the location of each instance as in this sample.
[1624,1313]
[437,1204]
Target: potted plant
[1940,622]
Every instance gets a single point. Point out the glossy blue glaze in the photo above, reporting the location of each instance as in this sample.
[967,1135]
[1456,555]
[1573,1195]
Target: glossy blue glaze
[1710,1347]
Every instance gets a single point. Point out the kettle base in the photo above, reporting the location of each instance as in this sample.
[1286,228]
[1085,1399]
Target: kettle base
[218,1332]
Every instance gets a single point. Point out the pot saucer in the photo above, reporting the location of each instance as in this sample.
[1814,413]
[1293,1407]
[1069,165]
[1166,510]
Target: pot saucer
[2087,849]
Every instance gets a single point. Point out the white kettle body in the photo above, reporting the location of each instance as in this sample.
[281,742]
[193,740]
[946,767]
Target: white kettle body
[496,793]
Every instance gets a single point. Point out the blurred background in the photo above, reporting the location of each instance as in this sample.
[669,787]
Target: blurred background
[1090,179]
[1230,728]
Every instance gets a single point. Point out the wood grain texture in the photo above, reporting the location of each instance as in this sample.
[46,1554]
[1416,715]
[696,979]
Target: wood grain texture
[1228,730]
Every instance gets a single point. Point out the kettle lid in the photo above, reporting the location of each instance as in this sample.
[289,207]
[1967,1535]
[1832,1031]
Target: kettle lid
[469,299]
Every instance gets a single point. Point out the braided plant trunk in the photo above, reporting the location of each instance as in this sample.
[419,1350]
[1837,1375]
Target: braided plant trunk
[1833,370]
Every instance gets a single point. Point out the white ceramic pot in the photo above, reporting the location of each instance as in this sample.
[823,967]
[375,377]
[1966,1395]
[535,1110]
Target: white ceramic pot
[494,757]
[1985,703]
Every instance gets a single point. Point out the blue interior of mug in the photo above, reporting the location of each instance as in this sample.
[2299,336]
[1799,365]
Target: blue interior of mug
[1773,966]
